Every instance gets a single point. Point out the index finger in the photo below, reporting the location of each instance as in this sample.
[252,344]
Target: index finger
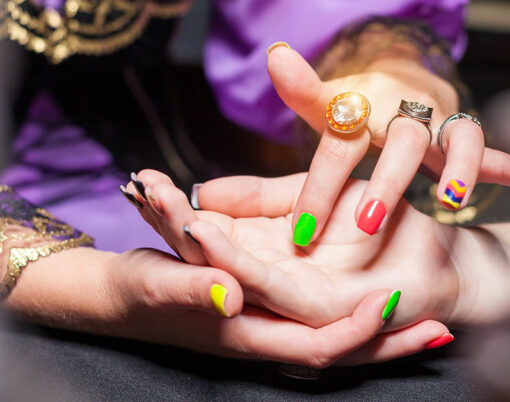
[331,166]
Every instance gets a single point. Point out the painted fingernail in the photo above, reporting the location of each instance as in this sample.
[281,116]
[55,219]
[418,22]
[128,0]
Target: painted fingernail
[454,193]
[391,304]
[131,198]
[187,230]
[275,45]
[153,201]
[371,216]
[441,341]
[304,230]
[194,195]
[218,295]
[138,185]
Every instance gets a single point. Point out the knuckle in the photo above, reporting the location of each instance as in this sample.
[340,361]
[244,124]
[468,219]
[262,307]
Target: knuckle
[389,184]
[334,152]
[150,291]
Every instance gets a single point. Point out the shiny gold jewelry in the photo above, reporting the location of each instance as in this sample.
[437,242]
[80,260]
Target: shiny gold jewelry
[20,257]
[347,112]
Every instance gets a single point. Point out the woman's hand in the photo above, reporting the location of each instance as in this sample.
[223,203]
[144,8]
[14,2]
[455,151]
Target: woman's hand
[150,296]
[394,75]
[434,265]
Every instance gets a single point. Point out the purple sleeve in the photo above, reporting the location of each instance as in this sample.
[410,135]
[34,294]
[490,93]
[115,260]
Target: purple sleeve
[241,31]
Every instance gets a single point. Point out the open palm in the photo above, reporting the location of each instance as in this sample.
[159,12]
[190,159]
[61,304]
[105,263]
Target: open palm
[245,231]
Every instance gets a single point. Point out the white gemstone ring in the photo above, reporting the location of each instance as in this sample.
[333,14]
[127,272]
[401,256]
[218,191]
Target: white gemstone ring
[347,112]
[416,111]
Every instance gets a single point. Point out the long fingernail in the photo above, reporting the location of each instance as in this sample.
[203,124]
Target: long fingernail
[304,230]
[454,193]
[441,341]
[275,45]
[194,195]
[391,304]
[371,216]
[131,197]
[218,295]
[153,201]
[187,230]
[138,185]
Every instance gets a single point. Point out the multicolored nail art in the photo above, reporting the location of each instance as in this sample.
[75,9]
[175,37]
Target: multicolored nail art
[454,193]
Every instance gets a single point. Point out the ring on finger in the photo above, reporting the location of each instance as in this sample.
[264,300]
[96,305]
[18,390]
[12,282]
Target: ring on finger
[454,117]
[347,112]
[416,111]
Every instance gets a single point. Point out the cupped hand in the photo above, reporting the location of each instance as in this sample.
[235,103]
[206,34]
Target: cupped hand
[149,295]
[405,146]
[319,284]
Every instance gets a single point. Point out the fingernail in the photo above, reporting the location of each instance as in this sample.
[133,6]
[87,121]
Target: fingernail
[454,193]
[188,232]
[391,304]
[218,295]
[371,216]
[138,185]
[305,227]
[194,195]
[153,201]
[131,198]
[275,45]
[441,341]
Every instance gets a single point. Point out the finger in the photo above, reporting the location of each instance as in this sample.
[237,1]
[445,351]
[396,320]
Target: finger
[299,86]
[404,342]
[187,288]
[272,288]
[495,167]
[332,164]
[406,144]
[170,212]
[291,342]
[464,147]
[250,196]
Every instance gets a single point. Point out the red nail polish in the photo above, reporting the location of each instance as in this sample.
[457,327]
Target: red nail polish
[441,341]
[371,217]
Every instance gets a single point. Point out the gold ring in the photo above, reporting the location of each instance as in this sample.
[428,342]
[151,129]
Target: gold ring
[347,112]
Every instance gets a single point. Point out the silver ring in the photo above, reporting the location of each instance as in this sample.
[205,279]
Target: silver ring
[416,111]
[454,117]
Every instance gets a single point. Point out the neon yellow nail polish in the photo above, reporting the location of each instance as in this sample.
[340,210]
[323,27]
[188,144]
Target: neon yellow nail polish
[218,294]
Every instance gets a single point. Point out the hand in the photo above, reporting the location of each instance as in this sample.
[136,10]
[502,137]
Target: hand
[390,78]
[298,285]
[150,296]
[437,267]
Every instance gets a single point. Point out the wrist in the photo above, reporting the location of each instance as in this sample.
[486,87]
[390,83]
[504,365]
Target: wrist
[480,256]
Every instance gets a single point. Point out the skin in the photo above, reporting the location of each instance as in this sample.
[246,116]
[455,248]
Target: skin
[391,75]
[450,274]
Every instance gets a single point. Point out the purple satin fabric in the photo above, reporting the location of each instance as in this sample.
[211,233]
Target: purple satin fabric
[60,168]
[241,31]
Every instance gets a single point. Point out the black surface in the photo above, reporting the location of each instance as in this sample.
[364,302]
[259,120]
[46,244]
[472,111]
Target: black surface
[74,366]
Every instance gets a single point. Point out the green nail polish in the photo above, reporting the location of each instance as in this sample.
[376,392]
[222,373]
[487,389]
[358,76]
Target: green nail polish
[391,304]
[305,227]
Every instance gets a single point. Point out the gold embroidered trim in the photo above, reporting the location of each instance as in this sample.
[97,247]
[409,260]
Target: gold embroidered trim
[90,27]
[20,257]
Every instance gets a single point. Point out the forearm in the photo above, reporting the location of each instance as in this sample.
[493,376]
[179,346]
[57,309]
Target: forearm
[68,290]
[481,257]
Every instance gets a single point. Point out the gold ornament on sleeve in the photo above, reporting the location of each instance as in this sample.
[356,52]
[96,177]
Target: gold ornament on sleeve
[89,27]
